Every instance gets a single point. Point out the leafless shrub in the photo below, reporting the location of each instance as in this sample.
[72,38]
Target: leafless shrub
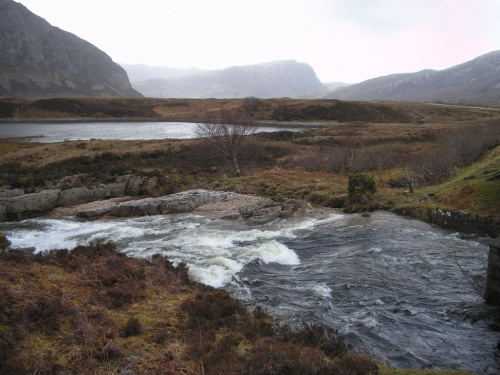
[432,166]
[314,161]
[388,156]
[227,133]
[467,144]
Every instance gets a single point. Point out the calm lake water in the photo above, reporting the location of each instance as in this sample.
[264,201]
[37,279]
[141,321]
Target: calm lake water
[60,132]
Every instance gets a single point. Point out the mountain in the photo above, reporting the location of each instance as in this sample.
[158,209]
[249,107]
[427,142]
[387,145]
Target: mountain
[39,60]
[335,85]
[269,80]
[141,72]
[474,82]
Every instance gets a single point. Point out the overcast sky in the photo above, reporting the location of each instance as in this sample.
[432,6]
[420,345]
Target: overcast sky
[343,40]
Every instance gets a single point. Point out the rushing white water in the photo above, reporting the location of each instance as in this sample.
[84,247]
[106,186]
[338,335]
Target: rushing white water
[215,253]
[393,286]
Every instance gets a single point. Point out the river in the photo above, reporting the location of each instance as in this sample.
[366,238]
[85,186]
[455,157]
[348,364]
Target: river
[394,287]
[73,131]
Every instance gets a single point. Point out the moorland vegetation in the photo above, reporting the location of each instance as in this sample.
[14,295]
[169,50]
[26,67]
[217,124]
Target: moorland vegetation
[92,310]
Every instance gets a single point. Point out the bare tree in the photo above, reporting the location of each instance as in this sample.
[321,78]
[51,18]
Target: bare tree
[227,133]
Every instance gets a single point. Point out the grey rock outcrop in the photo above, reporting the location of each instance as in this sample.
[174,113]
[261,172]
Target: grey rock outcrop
[268,210]
[39,60]
[169,204]
[255,214]
[31,205]
[28,205]
[11,193]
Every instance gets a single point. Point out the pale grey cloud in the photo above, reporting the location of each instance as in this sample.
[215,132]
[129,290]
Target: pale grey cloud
[344,40]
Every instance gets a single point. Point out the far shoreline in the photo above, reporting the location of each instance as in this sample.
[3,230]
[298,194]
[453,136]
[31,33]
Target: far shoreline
[277,124]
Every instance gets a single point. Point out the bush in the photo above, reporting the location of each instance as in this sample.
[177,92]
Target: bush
[133,327]
[432,166]
[4,242]
[329,340]
[270,357]
[216,309]
[355,364]
[361,184]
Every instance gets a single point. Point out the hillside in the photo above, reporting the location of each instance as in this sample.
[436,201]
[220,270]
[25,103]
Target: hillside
[39,60]
[265,110]
[269,80]
[142,72]
[474,82]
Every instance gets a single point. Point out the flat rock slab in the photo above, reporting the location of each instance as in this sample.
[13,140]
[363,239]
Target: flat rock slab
[170,204]
[254,210]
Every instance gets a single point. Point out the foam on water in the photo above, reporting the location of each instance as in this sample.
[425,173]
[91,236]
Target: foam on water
[214,255]
[322,290]
[381,280]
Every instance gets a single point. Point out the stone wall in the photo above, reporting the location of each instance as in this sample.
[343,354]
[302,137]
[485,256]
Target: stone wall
[493,284]
[465,222]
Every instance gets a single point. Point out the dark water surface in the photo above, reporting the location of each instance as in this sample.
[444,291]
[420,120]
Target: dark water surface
[393,286]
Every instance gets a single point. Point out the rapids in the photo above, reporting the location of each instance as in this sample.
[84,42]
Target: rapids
[394,287]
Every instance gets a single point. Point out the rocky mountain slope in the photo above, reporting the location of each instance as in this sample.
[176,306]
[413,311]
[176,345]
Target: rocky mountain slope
[474,82]
[275,79]
[39,60]
[142,72]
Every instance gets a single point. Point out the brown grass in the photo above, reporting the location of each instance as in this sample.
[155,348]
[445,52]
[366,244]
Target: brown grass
[332,111]
[56,317]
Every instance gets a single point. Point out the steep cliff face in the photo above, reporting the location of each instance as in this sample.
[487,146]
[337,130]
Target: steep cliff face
[39,60]
[476,81]
[269,80]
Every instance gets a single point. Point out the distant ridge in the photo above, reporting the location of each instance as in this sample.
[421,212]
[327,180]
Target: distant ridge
[39,60]
[287,78]
[474,82]
[142,72]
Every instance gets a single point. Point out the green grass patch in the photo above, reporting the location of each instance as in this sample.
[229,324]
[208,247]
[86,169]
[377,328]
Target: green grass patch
[474,189]
[8,145]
